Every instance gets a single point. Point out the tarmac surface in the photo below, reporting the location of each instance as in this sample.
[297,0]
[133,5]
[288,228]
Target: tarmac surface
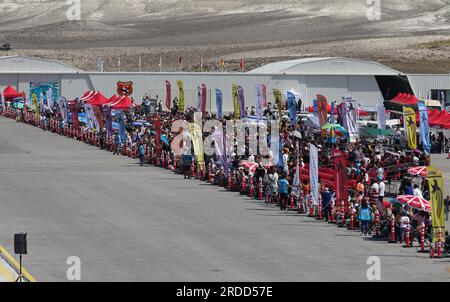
[131,223]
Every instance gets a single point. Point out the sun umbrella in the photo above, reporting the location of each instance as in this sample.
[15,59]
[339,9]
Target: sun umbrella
[336,127]
[377,132]
[390,200]
[165,139]
[418,171]
[415,202]
[296,134]
[249,166]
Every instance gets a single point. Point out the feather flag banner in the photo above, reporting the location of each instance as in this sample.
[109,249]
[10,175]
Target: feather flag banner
[292,105]
[278,101]
[409,120]
[237,114]
[199,99]
[259,101]
[219,103]
[168,95]
[181,95]
[424,127]
[241,99]
[314,173]
[204,96]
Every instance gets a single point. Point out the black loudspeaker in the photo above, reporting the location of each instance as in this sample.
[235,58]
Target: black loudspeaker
[20,243]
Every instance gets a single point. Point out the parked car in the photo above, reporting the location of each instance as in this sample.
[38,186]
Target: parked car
[6,47]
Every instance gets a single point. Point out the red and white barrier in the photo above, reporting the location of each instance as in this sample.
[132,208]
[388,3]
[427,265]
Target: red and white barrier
[320,209]
[422,238]
[192,168]
[439,244]
[260,189]
[377,223]
[250,186]
[311,206]
[393,240]
[352,218]
[332,211]
[408,236]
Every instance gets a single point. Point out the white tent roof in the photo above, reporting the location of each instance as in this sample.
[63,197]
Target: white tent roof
[22,64]
[326,66]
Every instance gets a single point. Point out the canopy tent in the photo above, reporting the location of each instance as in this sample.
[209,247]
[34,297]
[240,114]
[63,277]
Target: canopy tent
[88,95]
[436,118]
[405,99]
[11,93]
[360,111]
[120,102]
[95,98]
[441,119]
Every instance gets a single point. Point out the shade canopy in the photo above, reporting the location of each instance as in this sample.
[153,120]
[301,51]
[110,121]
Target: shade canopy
[120,102]
[10,92]
[95,98]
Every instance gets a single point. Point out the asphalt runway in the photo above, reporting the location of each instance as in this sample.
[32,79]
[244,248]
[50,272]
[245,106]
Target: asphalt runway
[131,223]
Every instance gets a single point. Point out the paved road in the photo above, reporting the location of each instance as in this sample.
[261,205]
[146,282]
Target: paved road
[128,223]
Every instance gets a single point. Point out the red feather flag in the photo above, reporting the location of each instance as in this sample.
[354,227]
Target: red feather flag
[168,95]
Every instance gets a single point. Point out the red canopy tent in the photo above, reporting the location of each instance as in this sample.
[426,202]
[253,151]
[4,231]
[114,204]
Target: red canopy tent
[86,94]
[95,98]
[89,95]
[360,112]
[121,103]
[98,100]
[113,99]
[11,93]
[436,118]
[405,99]
[441,119]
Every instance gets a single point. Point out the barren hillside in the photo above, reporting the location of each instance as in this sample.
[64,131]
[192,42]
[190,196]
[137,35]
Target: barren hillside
[256,30]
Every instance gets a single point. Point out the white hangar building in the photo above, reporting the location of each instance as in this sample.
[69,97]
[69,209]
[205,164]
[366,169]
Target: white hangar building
[367,82]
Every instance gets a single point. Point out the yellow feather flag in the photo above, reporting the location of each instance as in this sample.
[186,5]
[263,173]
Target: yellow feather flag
[237,111]
[197,141]
[278,101]
[436,187]
[409,120]
[36,105]
[180,95]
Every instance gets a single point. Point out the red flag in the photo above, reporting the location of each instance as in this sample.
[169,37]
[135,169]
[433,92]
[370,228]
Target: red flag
[322,105]
[157,125]
[264,89]
[74,109]
[203,107]
[340,166]
[241,65]
[168,95]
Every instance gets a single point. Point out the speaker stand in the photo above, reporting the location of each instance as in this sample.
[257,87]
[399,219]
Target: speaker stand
[21,278]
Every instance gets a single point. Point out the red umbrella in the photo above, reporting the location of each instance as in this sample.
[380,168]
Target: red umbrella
[250,166]
[415,202]
[418,171]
